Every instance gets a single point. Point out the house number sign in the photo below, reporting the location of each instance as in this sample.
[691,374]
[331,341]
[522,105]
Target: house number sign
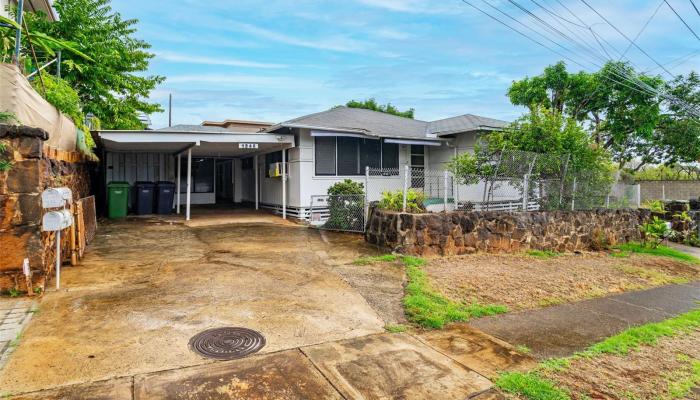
[247,145]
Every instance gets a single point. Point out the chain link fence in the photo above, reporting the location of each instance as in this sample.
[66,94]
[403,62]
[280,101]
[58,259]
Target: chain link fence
[338,212]
[506,181]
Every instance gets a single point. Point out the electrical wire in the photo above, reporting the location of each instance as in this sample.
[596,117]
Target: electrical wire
[682,20]
[695,7]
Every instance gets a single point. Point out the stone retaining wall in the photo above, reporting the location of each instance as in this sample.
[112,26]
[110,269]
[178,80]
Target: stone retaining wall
[33,170]
[468,232]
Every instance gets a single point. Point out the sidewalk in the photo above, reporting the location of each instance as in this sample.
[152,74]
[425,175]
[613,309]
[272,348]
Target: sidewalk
[560,331]
[14,316]
[451,364]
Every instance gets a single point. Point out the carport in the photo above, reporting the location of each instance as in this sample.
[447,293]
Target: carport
[215,144]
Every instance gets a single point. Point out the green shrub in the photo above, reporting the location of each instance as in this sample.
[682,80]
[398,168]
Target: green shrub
[393,201]
[346,206]
[656,206]
[655,231]
[62,96]
[9,118]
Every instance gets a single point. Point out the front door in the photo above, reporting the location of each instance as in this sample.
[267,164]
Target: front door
[224,181]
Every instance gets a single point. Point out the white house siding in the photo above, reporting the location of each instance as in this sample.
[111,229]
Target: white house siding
[4,8]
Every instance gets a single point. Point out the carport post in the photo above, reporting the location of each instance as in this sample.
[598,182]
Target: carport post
[177,184]
[189,183]
[284,183]
[257,182]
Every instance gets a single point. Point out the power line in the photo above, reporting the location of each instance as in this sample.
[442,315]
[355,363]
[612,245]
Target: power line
[629,46]
[626,37]
[682,20]
[695,7]
[637,88]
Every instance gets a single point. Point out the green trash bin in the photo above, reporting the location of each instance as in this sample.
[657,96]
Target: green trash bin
[117,199]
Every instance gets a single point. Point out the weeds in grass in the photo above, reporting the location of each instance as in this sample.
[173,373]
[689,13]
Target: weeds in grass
[544,254]
[521,348]
[663,251]
[620,254]
[648,334]
[375,259]
[425,306]
[530,385]
[398,328]
[549,301]
[681,382]
[651,276]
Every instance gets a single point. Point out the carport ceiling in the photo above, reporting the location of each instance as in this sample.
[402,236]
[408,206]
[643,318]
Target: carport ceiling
[202,144]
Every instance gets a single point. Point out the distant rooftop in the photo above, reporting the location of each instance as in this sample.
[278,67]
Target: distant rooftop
[193,128]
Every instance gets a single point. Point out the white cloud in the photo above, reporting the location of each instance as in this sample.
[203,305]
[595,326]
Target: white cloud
[338,43]
[231,62]
[410,6]
[392,34]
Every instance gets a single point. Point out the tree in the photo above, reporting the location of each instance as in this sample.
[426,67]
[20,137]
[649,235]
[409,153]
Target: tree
[113,87]
[388,108]
[548,146]
[620,117]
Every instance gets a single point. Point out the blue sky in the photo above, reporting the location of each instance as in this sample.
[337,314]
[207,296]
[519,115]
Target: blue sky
[273,60]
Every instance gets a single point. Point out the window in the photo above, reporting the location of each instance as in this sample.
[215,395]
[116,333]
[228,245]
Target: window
[390,155]
[417,155]
[325,155]
[348,156]
[202,176]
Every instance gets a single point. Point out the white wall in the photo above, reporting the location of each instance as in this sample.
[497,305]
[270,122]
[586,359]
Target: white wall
[4,6]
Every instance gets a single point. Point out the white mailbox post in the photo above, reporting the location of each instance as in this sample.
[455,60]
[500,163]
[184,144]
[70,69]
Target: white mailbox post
[56,221]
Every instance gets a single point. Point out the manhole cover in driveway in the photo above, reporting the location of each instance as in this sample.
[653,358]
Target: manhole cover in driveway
[227,343]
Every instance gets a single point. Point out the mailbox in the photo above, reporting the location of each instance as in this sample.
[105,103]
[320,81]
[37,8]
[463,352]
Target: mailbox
[56,220]
[56,197]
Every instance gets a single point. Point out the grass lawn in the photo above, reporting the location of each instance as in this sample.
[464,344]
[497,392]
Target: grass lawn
[425,306]
[661,251]
[656,360]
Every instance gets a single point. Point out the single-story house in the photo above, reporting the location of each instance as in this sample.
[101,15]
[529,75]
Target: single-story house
[281,166]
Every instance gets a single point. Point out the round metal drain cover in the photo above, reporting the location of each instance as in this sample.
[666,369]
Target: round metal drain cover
[227,343]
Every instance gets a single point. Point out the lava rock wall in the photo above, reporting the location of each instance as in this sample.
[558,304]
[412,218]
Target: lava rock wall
[494,231]
[34,167]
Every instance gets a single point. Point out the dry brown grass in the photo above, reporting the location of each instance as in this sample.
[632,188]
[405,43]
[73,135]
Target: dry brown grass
[521,281]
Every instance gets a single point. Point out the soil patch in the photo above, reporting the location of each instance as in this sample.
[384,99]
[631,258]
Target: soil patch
[660,371]
[521,281]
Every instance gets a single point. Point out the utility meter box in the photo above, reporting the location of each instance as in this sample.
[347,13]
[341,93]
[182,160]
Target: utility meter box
[56,197]
[56,220]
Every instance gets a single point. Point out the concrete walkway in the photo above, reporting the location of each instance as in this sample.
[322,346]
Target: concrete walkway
[560,331]
[448,364]
[693,251]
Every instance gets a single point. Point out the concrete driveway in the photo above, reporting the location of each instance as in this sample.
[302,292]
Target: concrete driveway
[119,327]
[146,288]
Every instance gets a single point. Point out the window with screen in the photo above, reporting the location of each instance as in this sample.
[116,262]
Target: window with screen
[325,155]
[349,156]
[390,155]
[417,155]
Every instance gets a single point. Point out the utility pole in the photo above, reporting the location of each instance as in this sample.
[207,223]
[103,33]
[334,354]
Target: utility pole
[170,110]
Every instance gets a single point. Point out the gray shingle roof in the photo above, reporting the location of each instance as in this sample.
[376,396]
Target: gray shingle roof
[357,119]
[463,123]
[375,123]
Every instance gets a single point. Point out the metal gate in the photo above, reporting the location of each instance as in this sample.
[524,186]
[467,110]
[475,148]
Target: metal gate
[338,212]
